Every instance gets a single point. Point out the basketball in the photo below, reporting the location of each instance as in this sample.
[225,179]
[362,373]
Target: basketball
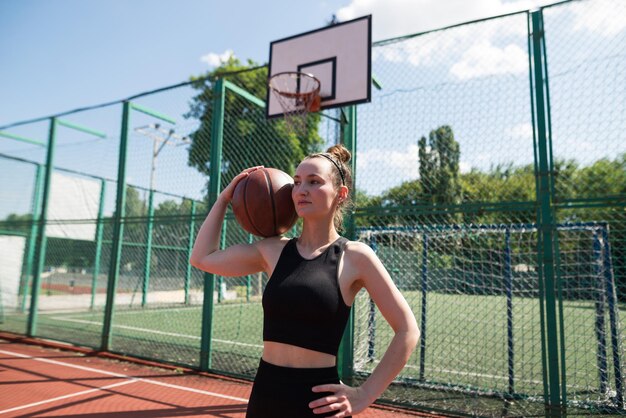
[262,202]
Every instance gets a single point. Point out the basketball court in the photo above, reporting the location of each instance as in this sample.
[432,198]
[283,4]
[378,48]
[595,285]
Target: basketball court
[490,186]
[49,381]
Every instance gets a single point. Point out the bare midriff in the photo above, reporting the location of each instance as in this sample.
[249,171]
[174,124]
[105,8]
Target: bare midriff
[287,355]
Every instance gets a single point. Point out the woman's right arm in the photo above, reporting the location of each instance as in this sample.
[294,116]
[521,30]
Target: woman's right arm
[237,260]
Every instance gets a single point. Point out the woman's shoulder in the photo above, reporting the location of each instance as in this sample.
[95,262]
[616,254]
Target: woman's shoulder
[358,250]
[271,249]
[359,260]
[272,244]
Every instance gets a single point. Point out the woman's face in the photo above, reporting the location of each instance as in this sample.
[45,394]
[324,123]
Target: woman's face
[314,193]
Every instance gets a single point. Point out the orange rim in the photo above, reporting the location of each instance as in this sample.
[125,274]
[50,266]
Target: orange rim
[310,99]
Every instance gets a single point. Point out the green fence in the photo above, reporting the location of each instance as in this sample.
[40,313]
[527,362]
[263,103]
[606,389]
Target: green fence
[490,179]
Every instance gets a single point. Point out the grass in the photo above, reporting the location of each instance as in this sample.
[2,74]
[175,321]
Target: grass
[465,341]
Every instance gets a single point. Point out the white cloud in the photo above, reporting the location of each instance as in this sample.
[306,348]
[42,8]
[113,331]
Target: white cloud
[484,59]
[465,167]
[416,54]
[602,18]
[520,131]
[388,168]
[215,60]
[472,50]
[401,17]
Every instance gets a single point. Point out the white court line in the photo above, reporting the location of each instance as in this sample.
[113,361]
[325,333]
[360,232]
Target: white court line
[17,408]
[123,376]
[472,374]
[153,331]
[157,309]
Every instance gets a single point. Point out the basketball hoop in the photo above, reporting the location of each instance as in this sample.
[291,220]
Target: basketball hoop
[298,94]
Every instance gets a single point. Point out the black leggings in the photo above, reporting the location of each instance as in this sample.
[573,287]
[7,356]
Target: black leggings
[285,392]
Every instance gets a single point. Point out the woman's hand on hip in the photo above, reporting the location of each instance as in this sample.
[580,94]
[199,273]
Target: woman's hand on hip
[343,400]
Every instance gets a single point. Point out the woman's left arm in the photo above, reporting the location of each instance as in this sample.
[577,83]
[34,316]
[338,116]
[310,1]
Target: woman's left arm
[374,277]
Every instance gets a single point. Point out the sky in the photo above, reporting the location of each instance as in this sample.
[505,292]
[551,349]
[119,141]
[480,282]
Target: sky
[60,55]
[64,54]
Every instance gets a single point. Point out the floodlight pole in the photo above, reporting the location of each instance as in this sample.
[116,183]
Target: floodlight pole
[156,150]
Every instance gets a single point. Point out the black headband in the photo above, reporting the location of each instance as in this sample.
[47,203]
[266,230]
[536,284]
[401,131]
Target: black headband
[343,179]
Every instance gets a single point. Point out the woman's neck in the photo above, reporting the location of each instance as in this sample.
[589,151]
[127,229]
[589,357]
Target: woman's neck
[315,236]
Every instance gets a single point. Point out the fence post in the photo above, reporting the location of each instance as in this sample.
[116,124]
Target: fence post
[192,228]
[217,136]
[148,257]
[221,285]
[32,238]
[99,232]
[118,230]
[40,241]
[508,279]
[600,303]
[546,226]
[249,276]
[371,315]
[345,361]
[424,289]
[616,346]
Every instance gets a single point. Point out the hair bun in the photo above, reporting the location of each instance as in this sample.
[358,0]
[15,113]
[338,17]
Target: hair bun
[340,152]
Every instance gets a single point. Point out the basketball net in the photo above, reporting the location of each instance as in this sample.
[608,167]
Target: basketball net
[298,94]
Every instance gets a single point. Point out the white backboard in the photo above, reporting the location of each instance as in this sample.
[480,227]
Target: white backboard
[339,56]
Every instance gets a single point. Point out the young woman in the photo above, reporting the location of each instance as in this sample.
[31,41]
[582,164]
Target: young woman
[314,280]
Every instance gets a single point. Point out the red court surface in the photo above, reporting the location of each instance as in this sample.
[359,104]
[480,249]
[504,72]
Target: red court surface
[40,381]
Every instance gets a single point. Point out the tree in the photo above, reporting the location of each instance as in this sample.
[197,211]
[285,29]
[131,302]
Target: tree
[135,212]
[397,202]
[502,183]
[406,194]
[439,157]
[439,167]
[171,220]
[16,222]
[249,139]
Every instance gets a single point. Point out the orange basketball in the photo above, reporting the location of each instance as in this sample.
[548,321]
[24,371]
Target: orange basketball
[262,202]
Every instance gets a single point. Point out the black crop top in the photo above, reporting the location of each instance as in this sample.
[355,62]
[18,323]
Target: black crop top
[302,302]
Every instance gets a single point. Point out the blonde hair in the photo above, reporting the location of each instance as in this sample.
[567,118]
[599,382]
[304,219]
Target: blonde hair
[339,157]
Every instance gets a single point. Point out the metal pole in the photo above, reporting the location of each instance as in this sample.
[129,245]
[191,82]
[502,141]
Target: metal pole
[613,318]
[508,276]
[217,137]
[40,242]
[32,237]
[99,236]
[148,256]
[600,303]
[544,362]
[192,228]
[371,318]
[345,361]
[546,228]
[118,231]
[221,285]
[248,277]
[424,288]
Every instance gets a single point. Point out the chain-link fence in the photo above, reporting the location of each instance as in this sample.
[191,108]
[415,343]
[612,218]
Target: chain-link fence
[490,180]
